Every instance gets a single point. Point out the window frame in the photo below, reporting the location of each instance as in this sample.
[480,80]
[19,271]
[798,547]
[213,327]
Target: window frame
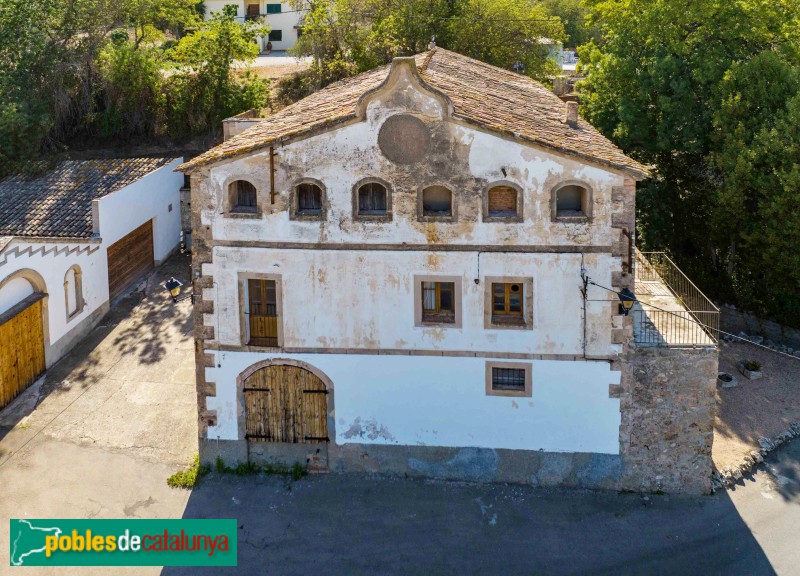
[419,317]
[422,217]
[270,8]
[295,214]
[508,323]
[518,217]
[378,217]
[526,392]
[278,36]
[587,202]
[231,197]
[80,303]
[244,304]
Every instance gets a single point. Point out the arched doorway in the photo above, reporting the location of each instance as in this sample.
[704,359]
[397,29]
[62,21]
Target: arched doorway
[286,406]
[23,332]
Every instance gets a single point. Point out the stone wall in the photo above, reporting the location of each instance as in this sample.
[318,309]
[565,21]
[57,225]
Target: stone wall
[736,321]
[667,405]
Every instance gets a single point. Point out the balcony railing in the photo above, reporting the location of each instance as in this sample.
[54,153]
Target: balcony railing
[671,311]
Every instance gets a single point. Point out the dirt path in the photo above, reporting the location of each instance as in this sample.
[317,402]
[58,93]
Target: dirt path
[754,408]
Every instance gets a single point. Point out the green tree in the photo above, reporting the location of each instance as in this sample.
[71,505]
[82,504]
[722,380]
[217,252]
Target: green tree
[506,32]
[345,37]
[574,16]
[657,84]
[206,89]
[756,147]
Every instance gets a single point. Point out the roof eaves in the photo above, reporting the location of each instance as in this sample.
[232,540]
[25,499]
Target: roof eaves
[639,171]
[306,132]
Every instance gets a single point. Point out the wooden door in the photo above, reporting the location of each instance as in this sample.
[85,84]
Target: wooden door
[285,404]
[21,348]
[129,258]
[262,312]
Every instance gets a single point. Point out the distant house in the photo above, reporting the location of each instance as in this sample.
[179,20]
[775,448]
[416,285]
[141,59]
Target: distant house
[284,21]
[72,238]
[394,276]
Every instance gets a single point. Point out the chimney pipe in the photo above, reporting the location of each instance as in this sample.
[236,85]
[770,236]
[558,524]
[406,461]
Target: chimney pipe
[572,114]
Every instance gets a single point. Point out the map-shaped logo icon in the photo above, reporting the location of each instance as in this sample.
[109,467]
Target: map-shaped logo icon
[28,540]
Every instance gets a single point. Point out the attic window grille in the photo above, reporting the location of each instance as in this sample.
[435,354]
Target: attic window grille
[309,200]
[508,379]
[244,197]
[372,199]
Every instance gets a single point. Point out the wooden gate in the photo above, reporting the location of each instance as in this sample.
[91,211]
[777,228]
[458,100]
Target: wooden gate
[285,404]
[21,347]
[129,258]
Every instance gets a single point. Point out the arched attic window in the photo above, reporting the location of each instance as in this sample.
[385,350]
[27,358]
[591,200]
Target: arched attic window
[503,202]
[309,199]
[372,200]
[572,201]
[437,203]
[243,197]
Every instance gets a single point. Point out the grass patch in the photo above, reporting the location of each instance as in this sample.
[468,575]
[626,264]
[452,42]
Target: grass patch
[297,471]
[188,478]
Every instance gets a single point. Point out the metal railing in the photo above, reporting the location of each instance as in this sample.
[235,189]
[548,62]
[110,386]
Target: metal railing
[696,325]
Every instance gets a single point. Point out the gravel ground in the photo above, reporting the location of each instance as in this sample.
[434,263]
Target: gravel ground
[755,408]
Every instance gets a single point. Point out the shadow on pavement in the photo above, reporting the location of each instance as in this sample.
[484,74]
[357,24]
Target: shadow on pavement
[147,313]
[343,524]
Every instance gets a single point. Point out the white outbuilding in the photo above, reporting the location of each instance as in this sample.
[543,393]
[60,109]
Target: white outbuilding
[75,235]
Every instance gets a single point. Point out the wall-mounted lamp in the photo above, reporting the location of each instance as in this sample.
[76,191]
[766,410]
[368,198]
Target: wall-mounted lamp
[627,299]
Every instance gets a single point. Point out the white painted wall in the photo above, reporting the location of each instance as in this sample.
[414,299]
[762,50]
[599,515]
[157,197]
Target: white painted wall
[118,214]
[365,299]
[286,21]
[433,401]
[14,292]
[322,156]
[148,198]
[52,260]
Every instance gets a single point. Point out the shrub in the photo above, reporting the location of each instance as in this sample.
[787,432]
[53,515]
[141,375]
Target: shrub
[752,365]
[188,478]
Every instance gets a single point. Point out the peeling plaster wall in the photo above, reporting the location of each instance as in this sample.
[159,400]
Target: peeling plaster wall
[365,299]
[463,158]
[361,299]
[430,401]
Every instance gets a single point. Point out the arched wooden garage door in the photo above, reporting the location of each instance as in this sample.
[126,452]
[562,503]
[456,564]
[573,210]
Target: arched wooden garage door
[129,258]
[22,358]
[285,404]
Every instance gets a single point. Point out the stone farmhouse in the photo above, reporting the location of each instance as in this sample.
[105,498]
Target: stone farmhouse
[74,236]
[404,273]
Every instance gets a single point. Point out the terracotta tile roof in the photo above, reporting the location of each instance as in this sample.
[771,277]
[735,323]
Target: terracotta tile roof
[496,99]
[57,202]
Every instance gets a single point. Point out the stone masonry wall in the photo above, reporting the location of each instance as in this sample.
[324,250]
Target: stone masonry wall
[667,406]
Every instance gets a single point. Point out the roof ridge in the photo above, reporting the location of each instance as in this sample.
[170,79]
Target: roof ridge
[427,60]
[493,98]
